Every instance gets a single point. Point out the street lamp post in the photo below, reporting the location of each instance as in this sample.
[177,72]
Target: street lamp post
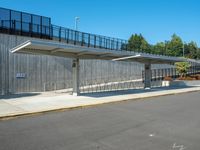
[76,22]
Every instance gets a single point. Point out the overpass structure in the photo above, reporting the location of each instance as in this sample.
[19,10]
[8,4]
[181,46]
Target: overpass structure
[53,48]
[48,39]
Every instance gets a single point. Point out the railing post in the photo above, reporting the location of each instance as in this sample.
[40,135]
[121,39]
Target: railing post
[127,46]
[21,31]
[117,47]
[111,44]
[37,29]
[14,24]
[30,29]
[106,43]
[95,38]
[88,40]
[155,75]
[52,32]
[2,24]
[67,35]
[120,45]
[82,40]
[10,18]
[75,37]
[100,42]
[168,71]
[60,34]
[196,70]
[44,32]
[193,69]
[175,74]
[158,74]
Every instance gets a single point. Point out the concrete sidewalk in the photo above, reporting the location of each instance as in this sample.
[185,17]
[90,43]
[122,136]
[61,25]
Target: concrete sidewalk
[26,104]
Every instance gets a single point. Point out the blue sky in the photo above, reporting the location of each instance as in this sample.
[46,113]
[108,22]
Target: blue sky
[157,20]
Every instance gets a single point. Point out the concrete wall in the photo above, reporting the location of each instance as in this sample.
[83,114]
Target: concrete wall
[43,73]
[40,71]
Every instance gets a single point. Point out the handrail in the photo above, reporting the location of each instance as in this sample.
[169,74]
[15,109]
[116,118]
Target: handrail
[62,34]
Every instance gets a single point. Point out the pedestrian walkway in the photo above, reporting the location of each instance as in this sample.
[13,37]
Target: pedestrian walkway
[33,103]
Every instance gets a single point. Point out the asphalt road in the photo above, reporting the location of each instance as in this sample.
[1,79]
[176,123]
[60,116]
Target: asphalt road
[161,123]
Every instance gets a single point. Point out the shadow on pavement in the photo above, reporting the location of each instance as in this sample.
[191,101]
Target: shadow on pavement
[18,95]
[102,94]
[132,91]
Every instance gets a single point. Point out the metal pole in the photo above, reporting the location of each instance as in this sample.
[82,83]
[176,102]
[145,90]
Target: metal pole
[76,23]
[147,75]
[75,76]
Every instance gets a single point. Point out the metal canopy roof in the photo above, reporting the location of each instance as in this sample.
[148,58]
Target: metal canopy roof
[45,47]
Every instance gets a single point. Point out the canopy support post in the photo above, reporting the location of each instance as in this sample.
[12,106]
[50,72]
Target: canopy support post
[75,76]
[147,75]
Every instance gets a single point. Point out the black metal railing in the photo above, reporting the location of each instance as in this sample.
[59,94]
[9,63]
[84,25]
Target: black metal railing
[22,17]
[26,24]
[161,74]
[25,29]
[62,34]
[86,39]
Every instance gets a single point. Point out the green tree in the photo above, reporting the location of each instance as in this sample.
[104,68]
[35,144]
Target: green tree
[159,48]
[182,68]
[198,53]
[192,50]
[138,43]
[175,46]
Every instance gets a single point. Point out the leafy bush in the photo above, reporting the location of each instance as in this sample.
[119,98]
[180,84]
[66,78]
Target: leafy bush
[182,68]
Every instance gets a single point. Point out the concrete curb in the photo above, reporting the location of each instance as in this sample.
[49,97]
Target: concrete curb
[32,113]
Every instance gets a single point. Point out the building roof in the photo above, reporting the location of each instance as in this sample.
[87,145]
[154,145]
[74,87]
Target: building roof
[53,48]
